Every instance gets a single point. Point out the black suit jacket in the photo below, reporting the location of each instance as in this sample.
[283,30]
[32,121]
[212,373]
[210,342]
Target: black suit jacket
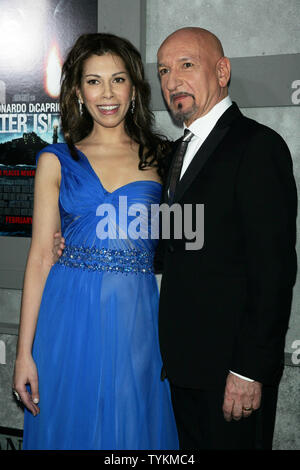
[227,306]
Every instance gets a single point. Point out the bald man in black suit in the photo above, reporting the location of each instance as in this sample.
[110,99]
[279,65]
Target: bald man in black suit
[224,308]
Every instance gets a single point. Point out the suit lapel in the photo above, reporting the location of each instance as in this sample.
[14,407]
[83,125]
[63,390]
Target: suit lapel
[206,150]
[199,160]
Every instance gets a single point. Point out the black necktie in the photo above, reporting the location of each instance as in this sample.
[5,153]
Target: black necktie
[178,160]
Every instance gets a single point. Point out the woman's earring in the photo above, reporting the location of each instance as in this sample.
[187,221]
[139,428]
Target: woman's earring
[80,107]
[132,106]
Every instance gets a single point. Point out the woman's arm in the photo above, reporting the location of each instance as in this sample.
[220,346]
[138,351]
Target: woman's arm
[46,221]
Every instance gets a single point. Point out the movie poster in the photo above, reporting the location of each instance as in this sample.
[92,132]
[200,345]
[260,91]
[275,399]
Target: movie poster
[35,36]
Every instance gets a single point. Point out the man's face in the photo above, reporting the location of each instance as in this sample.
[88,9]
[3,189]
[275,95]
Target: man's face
[188,75]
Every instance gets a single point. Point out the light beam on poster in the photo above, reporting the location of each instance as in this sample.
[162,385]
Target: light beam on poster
[20,32]
[53,72]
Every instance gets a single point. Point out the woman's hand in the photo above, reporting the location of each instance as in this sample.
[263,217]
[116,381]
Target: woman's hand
[58,246]
[26,374]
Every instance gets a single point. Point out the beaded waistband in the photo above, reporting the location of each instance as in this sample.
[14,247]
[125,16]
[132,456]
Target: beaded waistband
[117,261]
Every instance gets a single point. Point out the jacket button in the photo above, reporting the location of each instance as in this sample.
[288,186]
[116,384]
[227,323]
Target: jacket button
[171,249]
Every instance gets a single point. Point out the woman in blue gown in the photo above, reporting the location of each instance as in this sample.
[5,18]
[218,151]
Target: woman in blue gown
[88,361]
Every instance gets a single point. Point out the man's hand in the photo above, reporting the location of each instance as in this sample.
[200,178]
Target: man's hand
[58,246]
[241,397]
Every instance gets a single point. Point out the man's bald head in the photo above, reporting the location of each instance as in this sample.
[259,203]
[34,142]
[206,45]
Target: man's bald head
[206,39]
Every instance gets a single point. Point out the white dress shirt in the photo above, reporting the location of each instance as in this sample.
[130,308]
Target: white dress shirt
[201,128]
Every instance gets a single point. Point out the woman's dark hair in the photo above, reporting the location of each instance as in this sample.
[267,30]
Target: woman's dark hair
[138,125]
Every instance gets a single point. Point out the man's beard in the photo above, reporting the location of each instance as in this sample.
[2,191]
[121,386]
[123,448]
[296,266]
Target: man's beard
[183,116]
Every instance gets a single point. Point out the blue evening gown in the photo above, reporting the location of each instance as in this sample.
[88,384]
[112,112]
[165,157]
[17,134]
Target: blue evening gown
[96,344]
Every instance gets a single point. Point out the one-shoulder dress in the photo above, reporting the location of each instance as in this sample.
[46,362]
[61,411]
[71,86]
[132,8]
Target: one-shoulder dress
[96,343]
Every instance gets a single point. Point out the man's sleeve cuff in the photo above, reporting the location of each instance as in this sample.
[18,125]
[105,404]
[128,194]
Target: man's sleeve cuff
[241,376]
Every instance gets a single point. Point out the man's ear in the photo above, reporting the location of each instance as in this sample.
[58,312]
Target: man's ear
[223,69]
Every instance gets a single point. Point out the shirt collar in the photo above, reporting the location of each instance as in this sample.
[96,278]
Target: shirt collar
[202,126]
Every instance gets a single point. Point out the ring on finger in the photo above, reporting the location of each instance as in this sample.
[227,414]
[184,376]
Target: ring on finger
[247,409]
[17,395]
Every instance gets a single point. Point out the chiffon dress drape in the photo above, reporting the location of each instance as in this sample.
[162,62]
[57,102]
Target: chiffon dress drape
[96,343]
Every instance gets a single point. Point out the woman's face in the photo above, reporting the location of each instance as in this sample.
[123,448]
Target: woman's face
[106,89]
